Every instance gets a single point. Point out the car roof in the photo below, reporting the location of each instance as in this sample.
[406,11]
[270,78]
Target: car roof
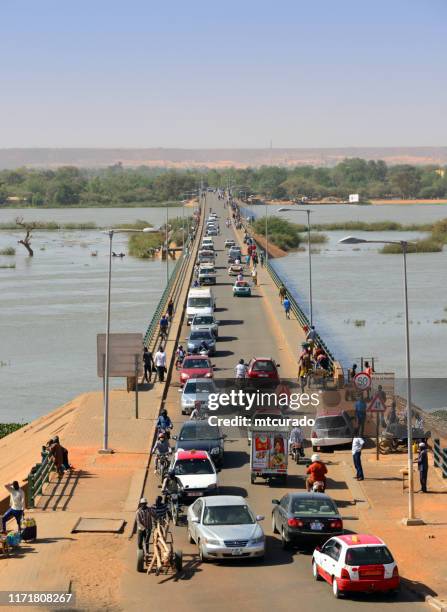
[310,496]
[194,357]
[183,455]
[225,500]
[361,539]
[208,381]
[262,359]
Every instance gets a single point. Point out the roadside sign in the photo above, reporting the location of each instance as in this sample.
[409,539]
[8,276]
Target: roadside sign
[376,404]
[362,381]
[125,354]
[354,198]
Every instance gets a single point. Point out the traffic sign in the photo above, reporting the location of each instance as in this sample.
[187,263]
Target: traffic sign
[376,404]
[362,381]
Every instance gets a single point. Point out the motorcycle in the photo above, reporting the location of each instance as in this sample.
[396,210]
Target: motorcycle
[163,466]
[297,451]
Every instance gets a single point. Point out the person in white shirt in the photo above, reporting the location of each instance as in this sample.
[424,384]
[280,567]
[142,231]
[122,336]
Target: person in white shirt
[241,369]
[357,445]
[160,363]
[296,440]
[17,505]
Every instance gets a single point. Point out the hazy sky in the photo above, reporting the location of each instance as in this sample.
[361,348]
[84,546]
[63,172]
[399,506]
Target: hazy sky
[208,73]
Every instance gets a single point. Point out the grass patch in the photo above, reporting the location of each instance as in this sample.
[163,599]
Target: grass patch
[138,224]
[427,245]
[7,266]
[318,238]
[50,226]
[8,251]
[440,321]
[7,428]
[360,322]
[281,232]
[144,245]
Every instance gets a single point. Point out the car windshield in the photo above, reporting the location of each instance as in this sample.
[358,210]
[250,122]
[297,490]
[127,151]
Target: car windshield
[241,284]
[200,335]
[189,467]
[203,320]
[368,555]
[198,431]
[196,364]
[310,507]
[192,388]
[263,366]
[227,515]
[330,422]
[199,302]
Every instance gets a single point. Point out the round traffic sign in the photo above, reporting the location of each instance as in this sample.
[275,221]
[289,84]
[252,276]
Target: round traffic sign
[362,381]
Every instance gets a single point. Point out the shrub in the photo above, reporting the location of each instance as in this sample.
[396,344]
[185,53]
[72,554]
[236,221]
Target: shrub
[8,251]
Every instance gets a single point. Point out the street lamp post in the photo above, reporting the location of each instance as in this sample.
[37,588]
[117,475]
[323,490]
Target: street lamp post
[308,211]
[410,519]
[111,233]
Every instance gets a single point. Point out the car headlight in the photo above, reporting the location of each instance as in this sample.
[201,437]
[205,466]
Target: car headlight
[212,541]
[258,540]
[215,450]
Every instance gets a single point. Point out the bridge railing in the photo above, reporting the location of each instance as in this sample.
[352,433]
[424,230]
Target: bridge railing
[440,457]
[38,476]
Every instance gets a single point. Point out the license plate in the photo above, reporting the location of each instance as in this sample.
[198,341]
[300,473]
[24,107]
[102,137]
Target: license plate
[237,551]
[193,493]
[316,526]
[371,573]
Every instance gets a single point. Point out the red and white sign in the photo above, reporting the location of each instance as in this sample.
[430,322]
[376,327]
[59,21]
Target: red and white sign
[376,404]
[362,381]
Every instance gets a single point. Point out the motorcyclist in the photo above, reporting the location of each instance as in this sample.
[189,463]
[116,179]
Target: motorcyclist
[161,447]
[203,348]
[317,472]
[170,484]
[181,353]
[164,423]
[197,413]
[240,277]
[296,440]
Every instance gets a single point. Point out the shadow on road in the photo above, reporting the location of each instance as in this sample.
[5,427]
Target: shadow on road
[233,490]
[231,322]
[236,459]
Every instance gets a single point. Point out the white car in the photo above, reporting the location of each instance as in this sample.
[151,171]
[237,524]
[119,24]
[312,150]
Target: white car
[356,563]
[224,527]
[229,243]
[196,472]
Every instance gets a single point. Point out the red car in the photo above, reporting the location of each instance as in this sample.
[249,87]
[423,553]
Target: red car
[264,368]
[195,366]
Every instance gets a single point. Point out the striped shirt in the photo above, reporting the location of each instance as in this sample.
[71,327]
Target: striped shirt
[159,512]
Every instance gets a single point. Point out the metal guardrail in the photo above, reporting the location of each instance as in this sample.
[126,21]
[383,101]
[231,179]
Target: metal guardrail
[39,475]
[440,457]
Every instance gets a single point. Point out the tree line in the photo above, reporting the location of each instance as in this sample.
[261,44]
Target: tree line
[119,186]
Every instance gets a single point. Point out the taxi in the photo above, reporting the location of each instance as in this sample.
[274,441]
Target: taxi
[195,471]
[356,562]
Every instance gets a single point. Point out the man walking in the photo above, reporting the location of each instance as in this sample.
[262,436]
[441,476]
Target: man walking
[286,305]
[261,259]
[357,445]
[360,415]
[149,365]
[282,293]
[160,363]
[16,505]
[144,524]
[422,461]
[170,309]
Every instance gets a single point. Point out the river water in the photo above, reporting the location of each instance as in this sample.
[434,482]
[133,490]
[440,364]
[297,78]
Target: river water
[53,305]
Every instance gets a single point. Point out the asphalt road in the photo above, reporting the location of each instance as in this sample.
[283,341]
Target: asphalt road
[284,579]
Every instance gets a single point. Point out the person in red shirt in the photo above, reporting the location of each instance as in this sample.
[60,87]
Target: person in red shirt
[317,472]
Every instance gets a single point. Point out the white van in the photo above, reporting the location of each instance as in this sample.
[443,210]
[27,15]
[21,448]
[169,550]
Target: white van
[200,302]
[206,256]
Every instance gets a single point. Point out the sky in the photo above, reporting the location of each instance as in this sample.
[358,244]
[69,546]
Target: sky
[232,74]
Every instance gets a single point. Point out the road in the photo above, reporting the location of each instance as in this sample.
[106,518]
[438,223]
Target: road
[284,579]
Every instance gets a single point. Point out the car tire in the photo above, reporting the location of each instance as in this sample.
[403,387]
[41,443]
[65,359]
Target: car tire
[284,541]
[202,557]
[315,573]
[274,528]
[335,590]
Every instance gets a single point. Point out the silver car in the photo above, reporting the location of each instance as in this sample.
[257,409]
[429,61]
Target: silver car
[196,390]
[206,323]
[224,527]
[198,338]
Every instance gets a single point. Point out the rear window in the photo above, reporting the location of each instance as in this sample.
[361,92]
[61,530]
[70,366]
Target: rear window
[313,507]
[196,364]
[199,431]
[201,334]
[330,422]
[203,320]
[263,366]
[198,387]
[368,555]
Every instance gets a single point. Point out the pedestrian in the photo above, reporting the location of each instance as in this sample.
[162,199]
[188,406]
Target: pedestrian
[360,415]
[286,305]
[143,519]
[352,372]
[392,417]
[16,505]
[164,323]
[261,259]
[149,365]
[160,510]
[247,259]
[368,369]
[254,276]
[357,445]
[422,462]
[255,259]
[282,293]
[160,363]
[170,309]
[58,455]
[311,335]
[65,463]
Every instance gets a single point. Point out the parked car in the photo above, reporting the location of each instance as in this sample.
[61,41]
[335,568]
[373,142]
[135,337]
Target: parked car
[205,323]
[263,368]
[229,243]
[199,435]
[196,472]
[196,366]
[241,289]
[305,518]
[357,563]
[235,269]
[198,337]
[332,430]
[225,527]
[196,392]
